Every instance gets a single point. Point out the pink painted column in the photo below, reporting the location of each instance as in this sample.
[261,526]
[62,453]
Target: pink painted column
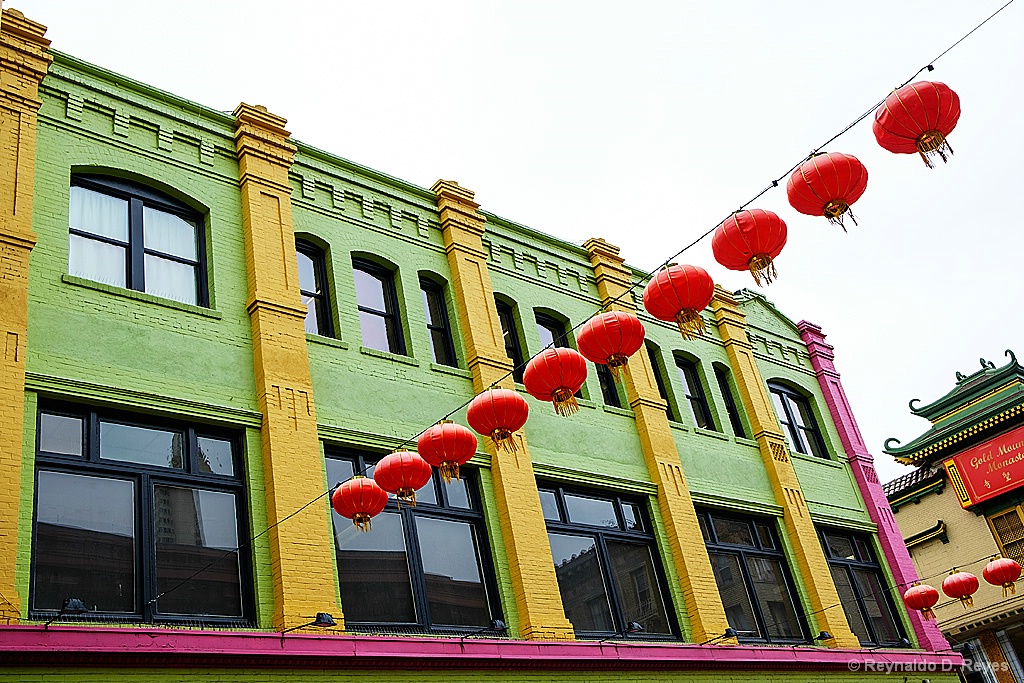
[863,465]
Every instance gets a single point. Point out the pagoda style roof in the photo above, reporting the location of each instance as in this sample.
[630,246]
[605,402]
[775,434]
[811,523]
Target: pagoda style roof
[913,485]
[974,409]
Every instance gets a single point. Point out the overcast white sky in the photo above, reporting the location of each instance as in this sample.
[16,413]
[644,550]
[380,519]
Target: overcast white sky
[647,123]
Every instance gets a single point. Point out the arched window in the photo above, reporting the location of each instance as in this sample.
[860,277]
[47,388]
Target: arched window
[725,386]
[658,366]
[438,324]
[377,299]
[510,335]
[797,420]
[127,235]
[313,287]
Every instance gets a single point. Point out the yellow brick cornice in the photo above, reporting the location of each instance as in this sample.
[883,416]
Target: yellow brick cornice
[24,60]
[262,135]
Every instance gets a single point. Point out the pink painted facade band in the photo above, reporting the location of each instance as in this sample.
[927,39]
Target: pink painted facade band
[862,463]
[153,647]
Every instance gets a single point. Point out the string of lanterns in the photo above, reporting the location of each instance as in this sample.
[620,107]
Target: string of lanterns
[916,118]
[962,586]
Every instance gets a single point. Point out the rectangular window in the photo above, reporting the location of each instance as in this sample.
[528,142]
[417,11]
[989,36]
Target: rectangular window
[127,235]
[137,519]
[753,581]
[862,588]
[695,394]
[438,325]
[606,564]
[609,389]
[425,566]
[722,375]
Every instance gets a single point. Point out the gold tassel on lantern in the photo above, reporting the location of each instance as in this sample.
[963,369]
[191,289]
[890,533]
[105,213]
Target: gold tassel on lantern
[504,440]
[835,210]
[1009,588]
[928,614]
[762,268]
[690,323]
[565,402]
[449,470]
[933,144]
[362,522]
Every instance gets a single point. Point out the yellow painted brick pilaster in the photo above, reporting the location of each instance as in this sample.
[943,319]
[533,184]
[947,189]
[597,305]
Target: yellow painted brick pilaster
[811,563]
[23,64]
[534,583]
[301,548]
[703,601]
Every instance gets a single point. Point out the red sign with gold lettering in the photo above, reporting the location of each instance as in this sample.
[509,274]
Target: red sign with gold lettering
[989,469]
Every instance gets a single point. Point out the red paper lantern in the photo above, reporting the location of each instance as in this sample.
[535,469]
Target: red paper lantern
[680,293]
[498,413]
[750,240]
[555,375]
[826,185]
[921,597]
[610,339]
[402,473]
[1002,572]
[359,499]
[918,118]
[447,445]
[961,585]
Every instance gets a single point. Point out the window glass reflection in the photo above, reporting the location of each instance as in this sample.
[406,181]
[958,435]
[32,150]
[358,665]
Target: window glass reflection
[591,511]
[451,568]
[84,542]
[141,445]
[370,291]
[215,456]
[458,494]
[639,596]
[549,505]
[581,582]
[732,531]
[883,621]
[849,599]
[373,570]
[60,434]
[735,597]
[194,531]
[773,596]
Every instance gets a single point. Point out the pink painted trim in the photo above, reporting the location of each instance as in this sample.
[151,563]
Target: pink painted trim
[863,467]
[165,647]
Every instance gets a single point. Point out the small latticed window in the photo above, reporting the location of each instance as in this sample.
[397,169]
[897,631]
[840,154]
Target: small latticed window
[1008,529]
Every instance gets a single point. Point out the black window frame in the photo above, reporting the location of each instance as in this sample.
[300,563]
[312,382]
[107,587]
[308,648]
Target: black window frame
[391,314]
[758,550]
[791,401]
[859,543]
[138,197]
[658,367]
[601,535]
[323,308]
[725,386]
[430,288]
[145,478]
[693,392]
[510,335]
[363,461]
